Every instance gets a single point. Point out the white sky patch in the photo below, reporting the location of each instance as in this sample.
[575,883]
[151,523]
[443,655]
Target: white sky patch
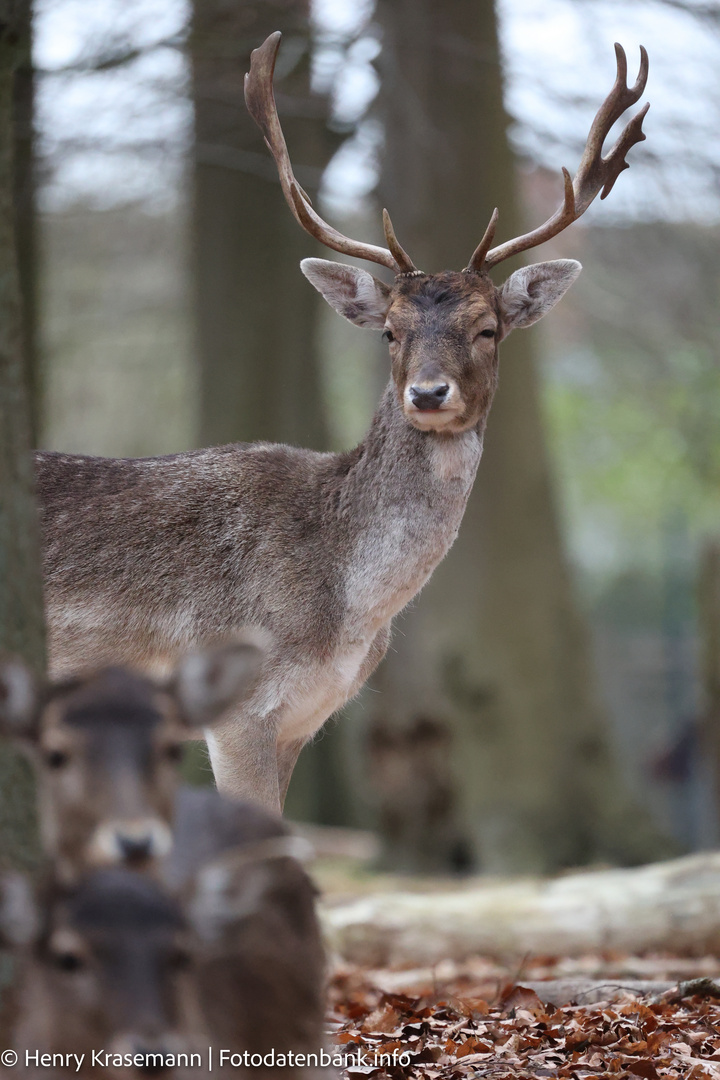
[120,134]
[342,18]
[67,30]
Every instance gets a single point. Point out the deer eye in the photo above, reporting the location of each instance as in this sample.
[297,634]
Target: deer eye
[56,759]
[68,961]
[180,959]
[388,335]
[173,752]
[487,333]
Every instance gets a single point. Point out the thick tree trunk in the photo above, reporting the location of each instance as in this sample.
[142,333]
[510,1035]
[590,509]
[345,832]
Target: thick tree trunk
[257,316]
[673,906]
[494,650]
[21,611]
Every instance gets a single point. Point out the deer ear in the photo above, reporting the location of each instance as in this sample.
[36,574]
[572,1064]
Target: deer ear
[207,683]
[18,699]
[237,884]
[532,291]
[352,292]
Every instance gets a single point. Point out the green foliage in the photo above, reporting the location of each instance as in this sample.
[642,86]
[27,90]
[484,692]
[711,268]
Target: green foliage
[637,447]
[633,395]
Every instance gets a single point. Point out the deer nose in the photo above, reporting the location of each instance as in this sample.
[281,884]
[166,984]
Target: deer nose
[155,1056]
[135,849]
[424,397]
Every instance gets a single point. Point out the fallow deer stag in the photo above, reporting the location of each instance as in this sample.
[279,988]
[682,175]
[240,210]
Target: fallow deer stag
[146,559]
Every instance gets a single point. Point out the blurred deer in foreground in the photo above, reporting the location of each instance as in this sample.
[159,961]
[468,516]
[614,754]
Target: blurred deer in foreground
[115,965]
[106,747]
[146,559]
[105,967]
[251,938]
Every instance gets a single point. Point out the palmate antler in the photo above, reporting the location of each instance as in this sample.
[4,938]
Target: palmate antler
[595,172]
[260,100]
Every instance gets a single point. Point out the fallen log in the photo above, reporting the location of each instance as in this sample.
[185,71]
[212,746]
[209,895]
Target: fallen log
[672,905]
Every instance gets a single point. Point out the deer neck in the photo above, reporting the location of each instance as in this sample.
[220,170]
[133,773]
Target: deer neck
[406,495]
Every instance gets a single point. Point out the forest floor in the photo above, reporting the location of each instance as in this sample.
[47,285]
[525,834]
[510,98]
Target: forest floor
[481,1019]
[597,1014]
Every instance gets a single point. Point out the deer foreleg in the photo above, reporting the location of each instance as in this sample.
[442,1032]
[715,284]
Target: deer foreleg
[287,756]
[243,756]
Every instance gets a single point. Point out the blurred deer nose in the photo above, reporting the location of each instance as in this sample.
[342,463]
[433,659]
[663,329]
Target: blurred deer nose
[153,1055]
[135,848]
[156,1057]
[429,398]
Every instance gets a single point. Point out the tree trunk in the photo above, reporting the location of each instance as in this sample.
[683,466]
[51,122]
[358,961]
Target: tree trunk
[256,314]
[671,906]
[21,611]
[494,649]
[25,212]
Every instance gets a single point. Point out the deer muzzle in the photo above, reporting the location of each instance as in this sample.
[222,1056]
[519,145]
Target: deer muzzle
[131,841]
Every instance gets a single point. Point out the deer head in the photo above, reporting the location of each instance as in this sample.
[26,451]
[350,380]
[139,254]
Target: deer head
[231,957]
[109,965]
[106,746]
[444,329]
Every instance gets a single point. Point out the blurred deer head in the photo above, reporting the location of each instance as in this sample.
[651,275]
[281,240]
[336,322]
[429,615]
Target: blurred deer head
[108,965]
[106,746]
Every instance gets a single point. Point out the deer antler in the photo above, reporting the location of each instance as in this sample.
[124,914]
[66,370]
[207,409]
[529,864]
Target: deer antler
[260,100]
[594,173]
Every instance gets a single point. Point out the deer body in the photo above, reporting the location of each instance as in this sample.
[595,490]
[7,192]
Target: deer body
[322,550]
[118,976]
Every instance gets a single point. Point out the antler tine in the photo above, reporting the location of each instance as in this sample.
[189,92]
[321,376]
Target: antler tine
[595,173]
[478,256]
[260,100]
[399,254]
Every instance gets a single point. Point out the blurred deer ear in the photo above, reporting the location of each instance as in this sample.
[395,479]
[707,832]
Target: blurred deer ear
[207,683]
[19,915]
[532,291]
[19,699]
[236,885]
[352,292]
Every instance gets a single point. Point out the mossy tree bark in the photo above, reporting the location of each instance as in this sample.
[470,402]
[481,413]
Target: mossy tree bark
[494,650]
[21,609]
[24,187]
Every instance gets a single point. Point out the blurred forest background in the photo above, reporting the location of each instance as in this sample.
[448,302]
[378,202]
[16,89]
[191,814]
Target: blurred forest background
[553,697]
